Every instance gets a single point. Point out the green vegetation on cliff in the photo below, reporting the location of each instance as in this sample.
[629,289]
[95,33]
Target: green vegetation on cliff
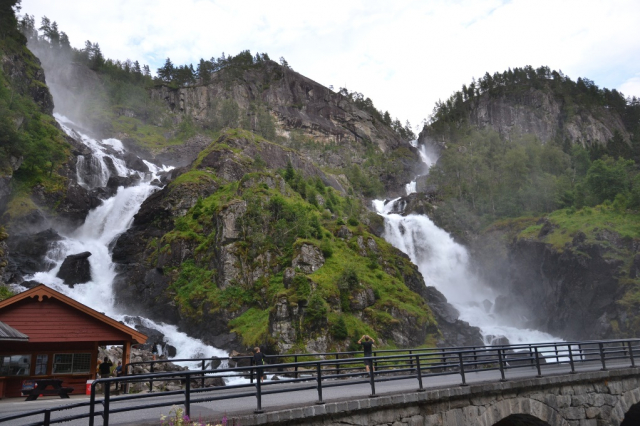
[32,147]
[483,175]
[253,243]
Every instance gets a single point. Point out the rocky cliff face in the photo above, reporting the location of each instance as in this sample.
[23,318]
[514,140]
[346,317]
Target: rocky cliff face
[539,112]
[579,285]
[322,124]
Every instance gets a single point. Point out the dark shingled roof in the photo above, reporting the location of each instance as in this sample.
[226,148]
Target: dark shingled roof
[9,333]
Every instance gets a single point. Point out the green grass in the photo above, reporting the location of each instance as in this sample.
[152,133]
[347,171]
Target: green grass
[253,326]
[588,220]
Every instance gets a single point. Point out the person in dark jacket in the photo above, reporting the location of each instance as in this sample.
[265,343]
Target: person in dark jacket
[366,346]
[258,359]
[105,368]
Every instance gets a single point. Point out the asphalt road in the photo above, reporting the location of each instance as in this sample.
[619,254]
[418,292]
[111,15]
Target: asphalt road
[339,390]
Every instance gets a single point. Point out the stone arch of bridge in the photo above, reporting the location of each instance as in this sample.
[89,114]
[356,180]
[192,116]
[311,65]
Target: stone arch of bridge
[626,412]
[521,420]
[521,409]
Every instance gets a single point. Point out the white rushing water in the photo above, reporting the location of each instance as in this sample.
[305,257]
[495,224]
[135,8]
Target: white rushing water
[428,158]
[102,225]
[444,264]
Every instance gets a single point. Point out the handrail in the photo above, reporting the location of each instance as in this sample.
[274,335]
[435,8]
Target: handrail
[415,363]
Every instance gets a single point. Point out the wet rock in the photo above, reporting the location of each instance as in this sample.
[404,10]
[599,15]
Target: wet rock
[487,305]
[154,337]
[215,363]
[563,292]
[115,182]
[497,340]
[135,163]
[308,258]
[30,284]
[170,351]
[26,254]
[75,269]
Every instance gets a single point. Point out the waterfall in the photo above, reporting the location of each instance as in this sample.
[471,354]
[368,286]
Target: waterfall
[445,265]
[428,158]
[101,227]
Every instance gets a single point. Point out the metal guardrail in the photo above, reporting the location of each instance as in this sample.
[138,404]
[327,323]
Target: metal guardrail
[322,374]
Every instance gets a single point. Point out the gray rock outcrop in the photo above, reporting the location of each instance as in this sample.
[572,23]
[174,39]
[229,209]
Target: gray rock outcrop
[308,258]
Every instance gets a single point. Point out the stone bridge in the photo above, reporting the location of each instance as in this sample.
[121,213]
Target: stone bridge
[599,398]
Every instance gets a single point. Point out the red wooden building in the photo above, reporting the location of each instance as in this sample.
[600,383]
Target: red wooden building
[63,339]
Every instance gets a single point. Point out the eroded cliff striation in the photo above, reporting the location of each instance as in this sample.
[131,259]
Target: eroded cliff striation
[541,112]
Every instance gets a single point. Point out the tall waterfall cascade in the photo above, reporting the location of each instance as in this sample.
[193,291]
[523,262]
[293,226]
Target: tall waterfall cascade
[101,228]
[445,265]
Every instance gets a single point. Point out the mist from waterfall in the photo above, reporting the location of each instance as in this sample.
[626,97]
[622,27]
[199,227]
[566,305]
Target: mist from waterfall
[445,265]
[100,229]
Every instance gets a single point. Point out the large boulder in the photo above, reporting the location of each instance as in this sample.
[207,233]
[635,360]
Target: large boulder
[308,258]
[75,269]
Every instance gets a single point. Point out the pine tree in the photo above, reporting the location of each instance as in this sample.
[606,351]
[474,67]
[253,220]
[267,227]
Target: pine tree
[166,72]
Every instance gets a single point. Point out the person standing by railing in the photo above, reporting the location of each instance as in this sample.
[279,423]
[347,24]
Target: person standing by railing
[366,346]
[258,358]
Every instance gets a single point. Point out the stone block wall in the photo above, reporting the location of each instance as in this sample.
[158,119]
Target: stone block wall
[599,398]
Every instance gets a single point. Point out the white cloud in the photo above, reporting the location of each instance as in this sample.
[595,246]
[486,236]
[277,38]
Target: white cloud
[631,87]
[405,55]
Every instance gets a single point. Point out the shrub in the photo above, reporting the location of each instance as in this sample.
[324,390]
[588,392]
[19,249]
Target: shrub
[316,313]
[339,329]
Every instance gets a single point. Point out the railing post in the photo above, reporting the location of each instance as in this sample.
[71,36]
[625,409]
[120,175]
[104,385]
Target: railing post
[295,359]
[537,356]
[47,417]
[372,380]
[464,379]
[105,404]
[337,365]
[633,361]
[202,383]
[530,354]
[92,404]
[375,363]
[151,380]
[319,377]
[500,363]
[187,395]
[419,369]
[259,409]
[604,365]
[411,359]
[475,358]
[555,345]
[573,368]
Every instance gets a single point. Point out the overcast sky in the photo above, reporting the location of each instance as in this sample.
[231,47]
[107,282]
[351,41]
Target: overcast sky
[405,55]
